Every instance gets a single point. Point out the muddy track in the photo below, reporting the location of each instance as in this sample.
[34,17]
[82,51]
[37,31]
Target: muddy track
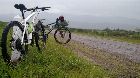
[120,58]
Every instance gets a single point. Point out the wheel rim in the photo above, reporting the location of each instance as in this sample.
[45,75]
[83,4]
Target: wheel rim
[62,36]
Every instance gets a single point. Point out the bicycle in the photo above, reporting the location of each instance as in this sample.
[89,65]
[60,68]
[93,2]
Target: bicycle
[62,35]
[19,34]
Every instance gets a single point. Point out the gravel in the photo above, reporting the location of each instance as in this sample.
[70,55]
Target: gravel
[128,50]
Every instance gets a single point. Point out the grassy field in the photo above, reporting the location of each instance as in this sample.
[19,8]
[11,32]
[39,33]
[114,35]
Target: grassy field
[55,61]
[119,35]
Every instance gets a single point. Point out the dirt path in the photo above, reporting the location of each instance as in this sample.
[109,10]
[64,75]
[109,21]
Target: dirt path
[120,58]
[130,51]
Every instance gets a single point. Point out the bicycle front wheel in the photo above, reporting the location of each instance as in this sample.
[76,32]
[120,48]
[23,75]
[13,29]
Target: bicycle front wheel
[62,35]
[11,42]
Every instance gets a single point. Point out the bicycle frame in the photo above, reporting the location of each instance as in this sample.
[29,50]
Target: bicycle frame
[34,15]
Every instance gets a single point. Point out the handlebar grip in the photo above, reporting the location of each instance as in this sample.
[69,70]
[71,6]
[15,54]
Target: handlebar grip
[46,7]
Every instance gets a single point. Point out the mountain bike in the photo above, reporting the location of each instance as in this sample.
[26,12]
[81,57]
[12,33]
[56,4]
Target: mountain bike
[19,34]
[62,34]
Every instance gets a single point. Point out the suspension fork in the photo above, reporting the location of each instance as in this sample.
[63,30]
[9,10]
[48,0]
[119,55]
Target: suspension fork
[25,28]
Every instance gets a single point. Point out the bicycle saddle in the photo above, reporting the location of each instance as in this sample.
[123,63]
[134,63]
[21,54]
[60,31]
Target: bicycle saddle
[20,6]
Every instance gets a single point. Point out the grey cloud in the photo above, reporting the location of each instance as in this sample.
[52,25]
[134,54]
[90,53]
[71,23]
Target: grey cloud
[124,8]
[98,11]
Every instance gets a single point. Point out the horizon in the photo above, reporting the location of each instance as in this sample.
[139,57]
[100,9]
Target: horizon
[89,14]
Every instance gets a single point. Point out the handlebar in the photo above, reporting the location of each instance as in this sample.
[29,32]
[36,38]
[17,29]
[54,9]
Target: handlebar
[23,8]
[36,8]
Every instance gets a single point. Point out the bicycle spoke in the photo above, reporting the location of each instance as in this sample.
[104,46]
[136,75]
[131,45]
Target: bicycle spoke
[62,36]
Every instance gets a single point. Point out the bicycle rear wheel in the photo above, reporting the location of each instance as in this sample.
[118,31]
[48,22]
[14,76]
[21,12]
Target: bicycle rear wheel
[62,35]
[40,36]
[40,40]
[11,42]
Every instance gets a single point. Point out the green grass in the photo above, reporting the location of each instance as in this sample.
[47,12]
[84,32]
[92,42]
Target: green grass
[117,35]
[55,61]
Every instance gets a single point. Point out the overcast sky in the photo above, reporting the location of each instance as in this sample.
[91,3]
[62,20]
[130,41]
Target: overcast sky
[121,8]
[97,8]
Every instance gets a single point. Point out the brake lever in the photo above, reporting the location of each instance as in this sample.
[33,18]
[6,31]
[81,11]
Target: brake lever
[46,9]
